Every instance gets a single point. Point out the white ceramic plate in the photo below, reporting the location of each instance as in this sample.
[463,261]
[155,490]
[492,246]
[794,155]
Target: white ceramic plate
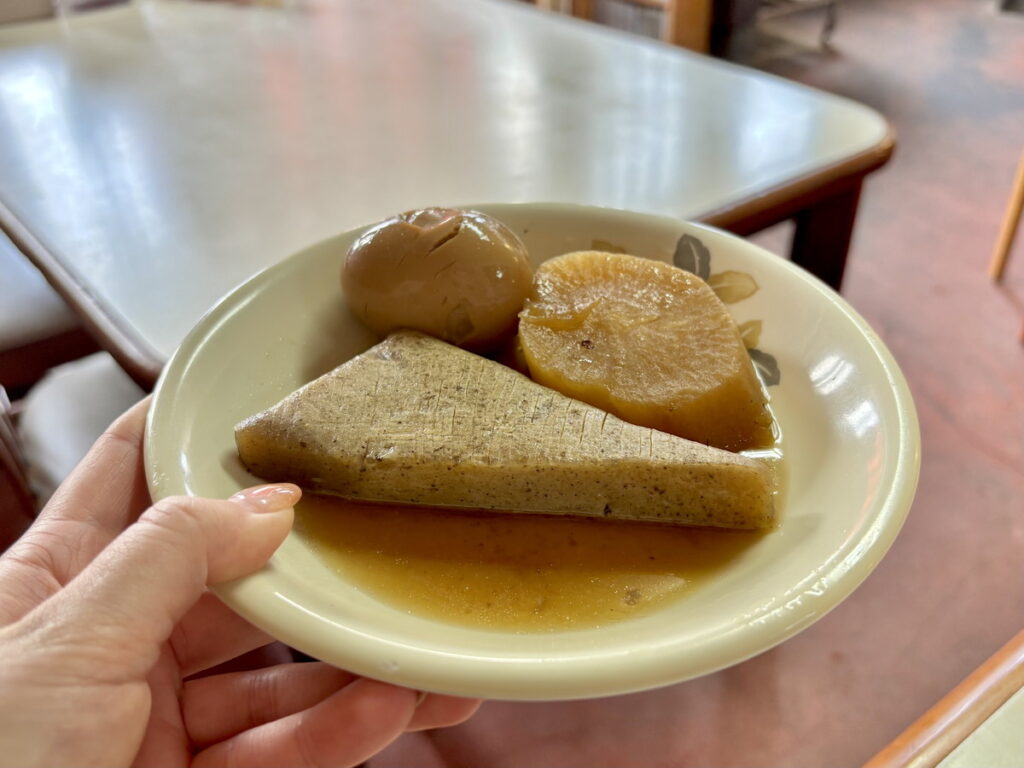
[851,438]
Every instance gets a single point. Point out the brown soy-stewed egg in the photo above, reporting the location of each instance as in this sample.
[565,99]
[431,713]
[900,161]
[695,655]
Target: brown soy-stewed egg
[459,275]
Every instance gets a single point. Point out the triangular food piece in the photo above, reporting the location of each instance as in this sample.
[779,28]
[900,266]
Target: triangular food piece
[415,420]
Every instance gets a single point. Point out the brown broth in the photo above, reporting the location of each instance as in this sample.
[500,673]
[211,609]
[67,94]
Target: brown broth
[513,572]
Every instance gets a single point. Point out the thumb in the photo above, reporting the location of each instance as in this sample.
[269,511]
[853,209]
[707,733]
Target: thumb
[138,588]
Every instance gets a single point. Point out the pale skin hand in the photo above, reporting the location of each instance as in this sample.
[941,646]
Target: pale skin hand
[104,615]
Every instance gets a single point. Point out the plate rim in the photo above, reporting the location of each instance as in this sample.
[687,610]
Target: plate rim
[507,682]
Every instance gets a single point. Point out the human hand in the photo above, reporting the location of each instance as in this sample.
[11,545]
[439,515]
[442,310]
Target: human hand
[104,616]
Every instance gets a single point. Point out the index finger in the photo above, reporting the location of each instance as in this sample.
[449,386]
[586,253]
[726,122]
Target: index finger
[104,494]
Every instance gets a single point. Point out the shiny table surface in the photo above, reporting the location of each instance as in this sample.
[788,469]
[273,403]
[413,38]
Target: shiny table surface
[153,156]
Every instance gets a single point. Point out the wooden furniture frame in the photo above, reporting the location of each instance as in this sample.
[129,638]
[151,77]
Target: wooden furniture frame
[943,727]
[687,22]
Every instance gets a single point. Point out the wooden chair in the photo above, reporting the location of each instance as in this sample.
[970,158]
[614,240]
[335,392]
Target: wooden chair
[776,9]
[706,25]
[687,22]
[37,330]
[1008,231]
[17,504]
[57,423]
[940,730]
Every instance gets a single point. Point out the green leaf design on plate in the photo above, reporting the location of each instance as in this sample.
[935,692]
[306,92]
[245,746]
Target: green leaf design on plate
[604,245]
[732,286]
[693,256]
[750,332]
[767,367]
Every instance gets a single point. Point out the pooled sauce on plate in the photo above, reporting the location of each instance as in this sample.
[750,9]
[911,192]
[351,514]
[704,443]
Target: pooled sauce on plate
[513,572]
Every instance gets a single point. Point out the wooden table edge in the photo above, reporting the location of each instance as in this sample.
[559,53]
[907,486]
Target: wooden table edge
[746,216]
[959,713]
[782,201]
[137,359]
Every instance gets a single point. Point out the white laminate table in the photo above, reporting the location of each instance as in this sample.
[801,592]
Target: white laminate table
[153,156]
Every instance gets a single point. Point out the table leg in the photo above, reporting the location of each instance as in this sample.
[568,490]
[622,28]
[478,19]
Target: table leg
[823,232]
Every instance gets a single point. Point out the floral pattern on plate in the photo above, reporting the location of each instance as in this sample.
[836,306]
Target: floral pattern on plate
[731,287]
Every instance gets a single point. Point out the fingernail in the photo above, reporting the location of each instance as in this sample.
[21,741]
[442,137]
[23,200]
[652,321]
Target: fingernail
[270,498]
